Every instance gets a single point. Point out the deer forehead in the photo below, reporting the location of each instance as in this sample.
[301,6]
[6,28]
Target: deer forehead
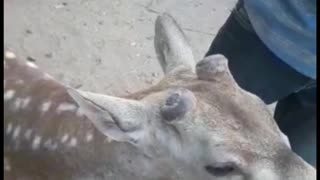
[221,117]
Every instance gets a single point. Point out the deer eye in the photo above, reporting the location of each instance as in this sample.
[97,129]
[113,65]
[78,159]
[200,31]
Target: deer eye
[220,170]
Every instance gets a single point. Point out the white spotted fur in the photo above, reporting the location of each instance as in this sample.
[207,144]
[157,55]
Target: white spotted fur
[36,142]
[73,142]
[9,94]
[16,132]
[64,138]
[89,137]
[28,134]
[45,107]
[66,107]
[9,128]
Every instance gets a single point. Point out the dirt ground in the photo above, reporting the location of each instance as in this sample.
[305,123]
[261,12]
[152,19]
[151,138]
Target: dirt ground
[105,46]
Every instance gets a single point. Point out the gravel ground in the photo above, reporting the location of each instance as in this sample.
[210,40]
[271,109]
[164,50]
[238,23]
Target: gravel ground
[105,46]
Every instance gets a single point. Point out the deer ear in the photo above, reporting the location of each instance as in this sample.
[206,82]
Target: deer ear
[171,45]
[119,119]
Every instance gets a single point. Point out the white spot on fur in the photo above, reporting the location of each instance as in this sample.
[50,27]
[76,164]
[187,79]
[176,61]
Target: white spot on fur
[10,55]
[89,137]
[16,132]
[9,94]
[49,144]
[25,102]
[73,142]
[32,65]
[9,128]
[27,134]
[64,138]
[66,107]
[17,103]
[45,106]
[54,146]
[7,167]
[36,142]
[6,164]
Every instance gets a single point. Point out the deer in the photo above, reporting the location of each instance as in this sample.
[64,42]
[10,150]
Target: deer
[196,123]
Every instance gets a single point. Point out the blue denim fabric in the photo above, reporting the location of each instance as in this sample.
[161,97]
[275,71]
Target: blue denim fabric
[288,29]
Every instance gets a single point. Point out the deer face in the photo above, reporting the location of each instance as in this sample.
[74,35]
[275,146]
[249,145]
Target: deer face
[197,119]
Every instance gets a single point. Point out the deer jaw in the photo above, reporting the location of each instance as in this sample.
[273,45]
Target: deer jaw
[197,123]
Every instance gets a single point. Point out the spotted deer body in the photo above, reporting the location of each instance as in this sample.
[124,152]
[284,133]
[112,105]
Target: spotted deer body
[197,123]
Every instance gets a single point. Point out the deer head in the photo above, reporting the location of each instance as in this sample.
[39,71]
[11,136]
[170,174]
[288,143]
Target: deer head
[196,121]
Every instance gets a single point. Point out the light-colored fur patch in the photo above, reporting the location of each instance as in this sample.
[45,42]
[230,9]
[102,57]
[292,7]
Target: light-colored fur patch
[9,94]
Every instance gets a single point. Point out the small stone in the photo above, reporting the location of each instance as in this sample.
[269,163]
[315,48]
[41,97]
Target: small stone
[28,31]
[48,55]
[100,22]
[62,5]
[154,74]
[59,6]
[98,60]
[149,81]
[149,38]
[76,83]
[77,86]
[31,59]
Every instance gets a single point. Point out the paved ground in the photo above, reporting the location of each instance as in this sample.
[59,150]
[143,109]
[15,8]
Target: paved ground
[105,45]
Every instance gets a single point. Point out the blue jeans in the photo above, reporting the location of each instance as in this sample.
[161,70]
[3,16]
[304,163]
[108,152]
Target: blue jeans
[257,70]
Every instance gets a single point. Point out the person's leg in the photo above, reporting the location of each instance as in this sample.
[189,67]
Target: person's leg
[254,67]
[296,117]
[257,70]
